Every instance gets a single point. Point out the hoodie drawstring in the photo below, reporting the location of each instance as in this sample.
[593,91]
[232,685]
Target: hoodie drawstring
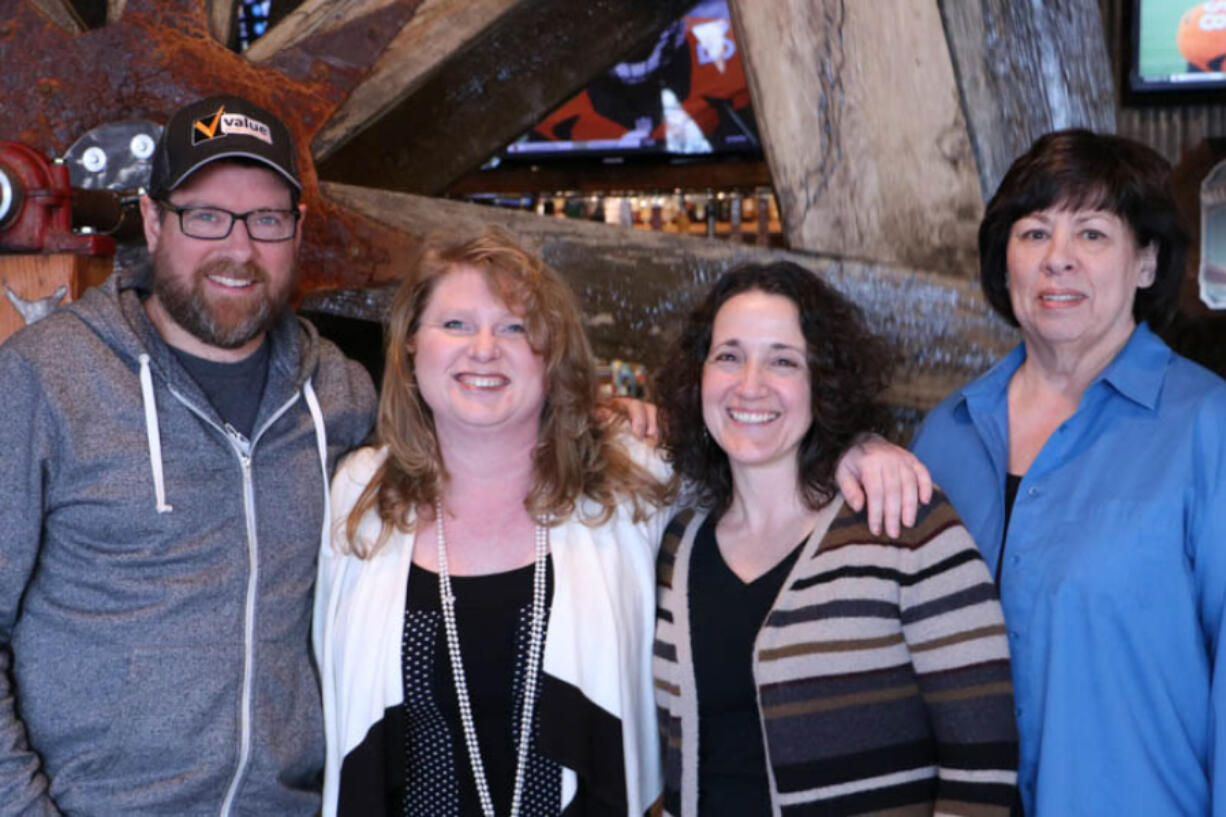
[155,442]
[154,436]
[321,439]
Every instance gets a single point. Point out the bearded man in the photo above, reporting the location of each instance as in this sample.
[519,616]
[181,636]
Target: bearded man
[166,444]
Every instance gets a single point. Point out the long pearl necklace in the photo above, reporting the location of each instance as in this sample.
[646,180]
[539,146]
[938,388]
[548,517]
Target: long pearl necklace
[535,642]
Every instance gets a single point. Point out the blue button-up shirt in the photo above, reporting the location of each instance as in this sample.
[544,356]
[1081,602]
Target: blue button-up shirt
[1113,580]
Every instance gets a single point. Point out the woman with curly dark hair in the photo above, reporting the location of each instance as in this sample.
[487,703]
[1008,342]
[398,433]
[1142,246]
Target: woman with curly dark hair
[802,661]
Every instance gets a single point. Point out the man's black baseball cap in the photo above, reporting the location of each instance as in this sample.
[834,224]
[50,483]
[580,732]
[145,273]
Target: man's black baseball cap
[220,127]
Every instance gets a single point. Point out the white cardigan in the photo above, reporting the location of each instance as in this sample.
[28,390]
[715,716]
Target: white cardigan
[599,638]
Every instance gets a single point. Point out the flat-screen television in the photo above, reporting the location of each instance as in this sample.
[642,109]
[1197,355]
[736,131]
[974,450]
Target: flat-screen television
[1177,52]
[687,95]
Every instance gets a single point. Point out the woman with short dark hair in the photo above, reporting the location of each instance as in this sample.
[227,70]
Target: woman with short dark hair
[1090,466]
[804,664]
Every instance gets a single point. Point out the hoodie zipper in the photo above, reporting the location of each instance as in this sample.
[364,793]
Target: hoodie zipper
[243,449]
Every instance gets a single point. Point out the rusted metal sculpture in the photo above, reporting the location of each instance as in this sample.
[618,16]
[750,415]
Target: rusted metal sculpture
[57,84]
[334,66]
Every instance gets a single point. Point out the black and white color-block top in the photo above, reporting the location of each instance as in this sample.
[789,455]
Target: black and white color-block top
[597,712]
[882,674]
[494,620]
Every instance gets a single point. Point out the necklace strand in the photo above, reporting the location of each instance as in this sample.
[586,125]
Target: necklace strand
[535,642]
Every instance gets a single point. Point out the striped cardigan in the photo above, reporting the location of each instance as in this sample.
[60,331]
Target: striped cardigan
[882,673]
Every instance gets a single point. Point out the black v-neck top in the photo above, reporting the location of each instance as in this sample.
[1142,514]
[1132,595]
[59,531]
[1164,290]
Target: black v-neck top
[725,617]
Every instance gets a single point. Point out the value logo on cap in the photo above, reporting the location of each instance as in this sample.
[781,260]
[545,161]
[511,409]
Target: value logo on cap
[220,127]
[222,124]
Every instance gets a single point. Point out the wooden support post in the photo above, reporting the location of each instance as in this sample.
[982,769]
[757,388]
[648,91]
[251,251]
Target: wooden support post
[1025,69]
[859,114]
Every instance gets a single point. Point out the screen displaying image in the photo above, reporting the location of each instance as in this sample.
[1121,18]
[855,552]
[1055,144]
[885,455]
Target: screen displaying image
[1179,43]
[687,95]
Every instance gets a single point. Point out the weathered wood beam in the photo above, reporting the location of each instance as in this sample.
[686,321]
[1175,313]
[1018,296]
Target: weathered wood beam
[538,54]
[310,18]
[1025,69]
[588,177]
[62,13]
[436,30]
[223,16]
[634,286]
[860,119]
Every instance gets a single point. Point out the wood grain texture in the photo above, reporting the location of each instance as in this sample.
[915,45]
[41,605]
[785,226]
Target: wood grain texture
[538,54]
[37,276]
[859,114]
[311,18]
[634,287]
[439,30]
[1026,68]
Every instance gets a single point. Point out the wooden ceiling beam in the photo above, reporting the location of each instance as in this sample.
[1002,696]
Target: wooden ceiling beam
[510,76]
[860,120]
[438,29]
[312,18]
[634,286]
[1024,69]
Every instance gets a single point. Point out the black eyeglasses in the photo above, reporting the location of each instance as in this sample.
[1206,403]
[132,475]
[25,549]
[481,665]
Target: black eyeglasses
[215,223]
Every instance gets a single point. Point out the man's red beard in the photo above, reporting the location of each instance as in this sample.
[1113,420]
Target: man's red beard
[226,322]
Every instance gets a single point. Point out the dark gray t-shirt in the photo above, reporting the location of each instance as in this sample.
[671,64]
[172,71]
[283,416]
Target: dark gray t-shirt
[234,389]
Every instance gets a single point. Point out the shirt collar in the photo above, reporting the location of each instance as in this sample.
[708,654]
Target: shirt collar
[1139,369]
[1136,372]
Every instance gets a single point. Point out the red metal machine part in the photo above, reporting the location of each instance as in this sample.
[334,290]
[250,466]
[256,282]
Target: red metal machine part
[36,206]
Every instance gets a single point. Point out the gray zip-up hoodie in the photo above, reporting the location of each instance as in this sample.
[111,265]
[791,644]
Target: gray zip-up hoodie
[156,569]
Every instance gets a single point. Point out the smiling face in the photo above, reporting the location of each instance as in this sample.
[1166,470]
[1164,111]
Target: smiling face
[215,299]
[474,364]
[1073,276]
[756,400]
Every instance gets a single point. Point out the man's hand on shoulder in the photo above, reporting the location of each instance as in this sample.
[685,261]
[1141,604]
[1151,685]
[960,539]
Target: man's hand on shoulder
[640,417]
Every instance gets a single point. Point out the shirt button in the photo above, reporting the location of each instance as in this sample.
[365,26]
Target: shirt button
[1015,558]
[1032,491]
[1018,712]
[1014,634]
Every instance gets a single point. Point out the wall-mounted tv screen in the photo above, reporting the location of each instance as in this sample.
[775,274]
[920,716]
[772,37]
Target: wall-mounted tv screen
[1177,52]
[686,95]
